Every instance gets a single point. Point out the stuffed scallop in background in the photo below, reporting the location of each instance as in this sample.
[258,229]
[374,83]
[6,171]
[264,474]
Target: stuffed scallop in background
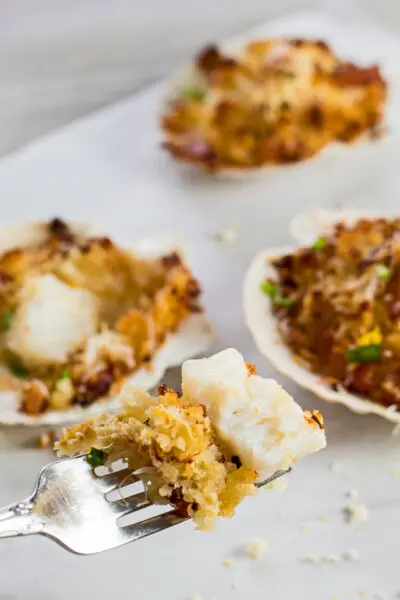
[83,315]
[326,313]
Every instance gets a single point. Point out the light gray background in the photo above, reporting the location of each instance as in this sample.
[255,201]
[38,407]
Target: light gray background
[61,59]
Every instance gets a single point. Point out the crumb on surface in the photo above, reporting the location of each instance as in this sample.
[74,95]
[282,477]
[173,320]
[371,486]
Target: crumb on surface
[46,439]
[196,597]
[395,473]
[357,513]
[351,555]
[352,494]
[324,519]
[226,235]
[304,527]
[313,559]
[336,466]
[257,547]
[227,562]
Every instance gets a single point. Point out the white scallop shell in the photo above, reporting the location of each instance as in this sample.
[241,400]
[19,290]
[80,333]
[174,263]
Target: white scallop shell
[194,337]
[306,227]
[263,327]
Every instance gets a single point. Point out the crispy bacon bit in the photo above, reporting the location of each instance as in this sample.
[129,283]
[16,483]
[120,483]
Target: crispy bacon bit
[181,504]
[211,58]
[59,229]
[348,74]
[252,369]
[316,116]
[171,260]
[90,391]
[315,417]
[35,398]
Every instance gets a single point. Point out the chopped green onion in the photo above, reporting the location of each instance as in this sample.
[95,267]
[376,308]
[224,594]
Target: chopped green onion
[273,291]
[18,370]
[269,289]
[95,458]
[6,319]
[65,374]
[362,354]
[383,272]
[193,93]
[320,244]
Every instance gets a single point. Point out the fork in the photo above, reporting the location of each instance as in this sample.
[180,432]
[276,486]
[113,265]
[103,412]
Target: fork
[71,505]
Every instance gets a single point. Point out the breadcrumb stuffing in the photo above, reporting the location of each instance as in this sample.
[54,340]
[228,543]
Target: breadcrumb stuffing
[257,547]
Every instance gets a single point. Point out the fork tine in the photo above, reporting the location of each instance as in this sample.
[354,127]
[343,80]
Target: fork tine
[151,525]
[131,504]
[110,481]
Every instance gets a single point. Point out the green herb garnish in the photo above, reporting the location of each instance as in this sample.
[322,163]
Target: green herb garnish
[95,458]
[320,244]
[6,319]
[362,354]
[383,272]
[273,290]
[193,93]
[65,375]
[18,370]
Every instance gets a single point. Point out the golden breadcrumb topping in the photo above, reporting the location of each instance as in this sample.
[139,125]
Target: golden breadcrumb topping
[136,303]
[338,307]
[278,101]
[169,443]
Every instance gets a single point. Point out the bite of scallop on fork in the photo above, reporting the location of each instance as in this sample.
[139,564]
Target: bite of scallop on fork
[194,455]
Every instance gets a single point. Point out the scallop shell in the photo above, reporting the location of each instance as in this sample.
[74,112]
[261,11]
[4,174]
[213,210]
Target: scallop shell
[194,337]
[263,327]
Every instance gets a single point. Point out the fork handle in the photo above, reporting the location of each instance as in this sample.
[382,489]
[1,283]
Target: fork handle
[18,519]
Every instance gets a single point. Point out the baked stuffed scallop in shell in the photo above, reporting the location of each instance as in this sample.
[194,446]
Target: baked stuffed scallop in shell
[269,102]
[327,314]
[82,315]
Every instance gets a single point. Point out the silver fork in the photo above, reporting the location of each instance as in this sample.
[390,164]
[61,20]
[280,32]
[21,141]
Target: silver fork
[71,505]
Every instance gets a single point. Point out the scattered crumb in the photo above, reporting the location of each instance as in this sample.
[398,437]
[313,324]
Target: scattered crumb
[352,494]
[395,473]
[226,235]
[227,562]
[332,559]
[234,586]
[356,513]
[303,527]
[197,597]
[351,555]
[313,559]
[324,519]
[336,466]
[46,439]
[362,593]
[257,547]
